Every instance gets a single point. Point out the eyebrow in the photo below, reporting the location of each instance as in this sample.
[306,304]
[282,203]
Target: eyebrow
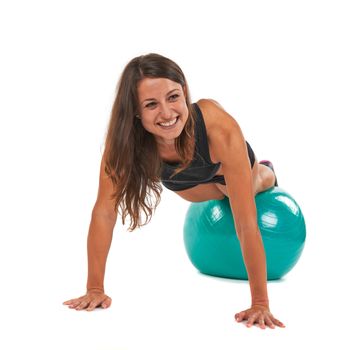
[152,98]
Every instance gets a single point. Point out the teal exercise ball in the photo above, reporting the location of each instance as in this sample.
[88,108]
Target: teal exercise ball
[213,247]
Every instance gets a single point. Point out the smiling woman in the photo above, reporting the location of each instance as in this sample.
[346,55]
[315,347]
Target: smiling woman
[166,115]
[152,116]
[157,135]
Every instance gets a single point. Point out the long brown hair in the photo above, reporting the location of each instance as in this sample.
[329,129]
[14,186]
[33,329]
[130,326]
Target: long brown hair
[131,155]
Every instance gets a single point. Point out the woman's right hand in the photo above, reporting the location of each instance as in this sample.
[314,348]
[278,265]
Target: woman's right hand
[89,301]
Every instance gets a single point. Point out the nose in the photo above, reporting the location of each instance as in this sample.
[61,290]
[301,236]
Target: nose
[165,111]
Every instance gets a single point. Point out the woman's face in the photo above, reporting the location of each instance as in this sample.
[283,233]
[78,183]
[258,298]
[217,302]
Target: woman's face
[162,101]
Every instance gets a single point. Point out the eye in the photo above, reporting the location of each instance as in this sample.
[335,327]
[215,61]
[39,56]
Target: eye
[174,97]
[151,104]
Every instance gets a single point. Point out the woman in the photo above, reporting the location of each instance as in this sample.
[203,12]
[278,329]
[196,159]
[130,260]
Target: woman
[156,134]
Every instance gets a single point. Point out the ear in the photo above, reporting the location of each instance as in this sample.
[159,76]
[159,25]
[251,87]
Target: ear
[184,91]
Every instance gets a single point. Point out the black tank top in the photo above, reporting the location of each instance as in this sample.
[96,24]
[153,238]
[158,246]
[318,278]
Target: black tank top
[201,170]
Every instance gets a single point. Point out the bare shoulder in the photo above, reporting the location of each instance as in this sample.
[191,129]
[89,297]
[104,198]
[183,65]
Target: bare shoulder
[220,125]
[215,117]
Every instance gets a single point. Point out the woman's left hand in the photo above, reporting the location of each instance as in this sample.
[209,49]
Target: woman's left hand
[258,314]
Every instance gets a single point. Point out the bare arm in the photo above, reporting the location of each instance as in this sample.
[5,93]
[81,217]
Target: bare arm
[239,184]
[230,144]
[103,220]
[98,243]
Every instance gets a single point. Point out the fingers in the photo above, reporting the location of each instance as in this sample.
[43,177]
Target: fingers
[252,319]
[269,322]
[240,316]
[68,302]
[76,303]
[83,304]
[278,323]
[262,318]
[93,304]
[89,302]
[262,322]
[107,303]
[103,302]
[72,302]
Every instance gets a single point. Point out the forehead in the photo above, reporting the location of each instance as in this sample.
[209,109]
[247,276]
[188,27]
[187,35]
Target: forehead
[152,87]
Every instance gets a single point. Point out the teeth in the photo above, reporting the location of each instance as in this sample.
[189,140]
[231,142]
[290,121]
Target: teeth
[169,123]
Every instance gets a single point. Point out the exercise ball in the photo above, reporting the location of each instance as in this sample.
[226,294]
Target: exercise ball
[213,247]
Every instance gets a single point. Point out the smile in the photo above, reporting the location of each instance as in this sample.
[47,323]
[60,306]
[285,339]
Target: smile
[170,124]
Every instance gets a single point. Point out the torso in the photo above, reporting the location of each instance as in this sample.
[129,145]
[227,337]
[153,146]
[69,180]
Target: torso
[207,191]
[171,156]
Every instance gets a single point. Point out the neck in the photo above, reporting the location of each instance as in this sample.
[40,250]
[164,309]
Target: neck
[167,145]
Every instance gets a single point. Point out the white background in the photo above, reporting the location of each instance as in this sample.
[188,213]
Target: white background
[281,68]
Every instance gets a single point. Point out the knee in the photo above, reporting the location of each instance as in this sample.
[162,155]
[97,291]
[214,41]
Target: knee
[265,179]
[268,178]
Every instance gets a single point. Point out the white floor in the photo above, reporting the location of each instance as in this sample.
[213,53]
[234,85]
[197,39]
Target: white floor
[159,299]
[280,68]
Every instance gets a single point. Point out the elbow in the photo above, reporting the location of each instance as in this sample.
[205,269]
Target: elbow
[104,214]
[247,232]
